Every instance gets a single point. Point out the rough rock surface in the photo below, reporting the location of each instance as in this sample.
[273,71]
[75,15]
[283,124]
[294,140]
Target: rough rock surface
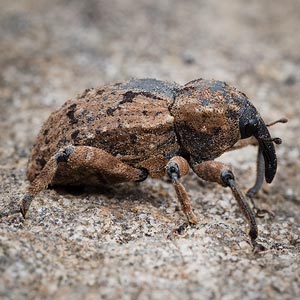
[111,243]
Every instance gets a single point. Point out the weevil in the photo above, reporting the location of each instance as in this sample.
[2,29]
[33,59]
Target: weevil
[146,127]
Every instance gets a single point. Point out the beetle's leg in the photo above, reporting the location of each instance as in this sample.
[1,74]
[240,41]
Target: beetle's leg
[218,172]
[176,168]
[44,178]
[41,181]
[86,157]
[260,169]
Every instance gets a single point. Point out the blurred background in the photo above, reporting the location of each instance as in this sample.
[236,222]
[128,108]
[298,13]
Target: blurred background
[52,50]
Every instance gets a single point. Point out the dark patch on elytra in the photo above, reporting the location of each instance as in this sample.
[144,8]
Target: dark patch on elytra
[128,97]
[72,107]
[83,113]
[186,90]
[45,133]
[216,130]
[231,114]
[157,113]
[120,123]
[151,86]
[70,113]
[75,134]
[150,95]
[41,161]
[62,142]
[100,92]
[90,119]
[83,95]
[133,138]
[110,111]
[90,143]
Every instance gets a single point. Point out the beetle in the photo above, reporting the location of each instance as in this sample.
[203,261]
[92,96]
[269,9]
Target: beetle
[130,130]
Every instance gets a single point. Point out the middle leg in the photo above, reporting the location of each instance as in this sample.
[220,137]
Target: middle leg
[221,173]
[176,168]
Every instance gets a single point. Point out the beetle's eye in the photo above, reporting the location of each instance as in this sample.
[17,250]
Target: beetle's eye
[250,128]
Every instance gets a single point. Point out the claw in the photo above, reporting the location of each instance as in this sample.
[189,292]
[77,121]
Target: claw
[25,203]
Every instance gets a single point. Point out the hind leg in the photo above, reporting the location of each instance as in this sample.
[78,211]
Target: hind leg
[80,158]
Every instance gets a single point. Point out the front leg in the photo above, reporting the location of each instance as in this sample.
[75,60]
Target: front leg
[218,172]
[176,168]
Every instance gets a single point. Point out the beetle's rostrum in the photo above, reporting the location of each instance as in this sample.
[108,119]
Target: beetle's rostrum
[147,127]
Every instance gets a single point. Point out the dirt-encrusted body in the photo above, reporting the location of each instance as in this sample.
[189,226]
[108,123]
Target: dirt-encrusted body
[144,123]
[129,120]
[146,127]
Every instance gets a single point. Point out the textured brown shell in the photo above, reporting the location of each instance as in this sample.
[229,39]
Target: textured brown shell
[145,122]
[206,116]
[130,120]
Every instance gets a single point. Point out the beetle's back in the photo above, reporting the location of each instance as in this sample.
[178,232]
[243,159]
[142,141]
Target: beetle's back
[130,120]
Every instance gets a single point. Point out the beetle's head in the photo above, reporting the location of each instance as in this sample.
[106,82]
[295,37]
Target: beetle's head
[251,124]
[211,116]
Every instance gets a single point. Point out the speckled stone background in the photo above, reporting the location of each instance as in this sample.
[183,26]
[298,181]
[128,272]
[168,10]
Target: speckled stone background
[111,243]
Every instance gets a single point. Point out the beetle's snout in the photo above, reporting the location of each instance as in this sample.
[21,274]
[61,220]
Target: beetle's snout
[266,143]
[251,124]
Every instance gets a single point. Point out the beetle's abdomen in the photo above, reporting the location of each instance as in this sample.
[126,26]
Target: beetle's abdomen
[206,119]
